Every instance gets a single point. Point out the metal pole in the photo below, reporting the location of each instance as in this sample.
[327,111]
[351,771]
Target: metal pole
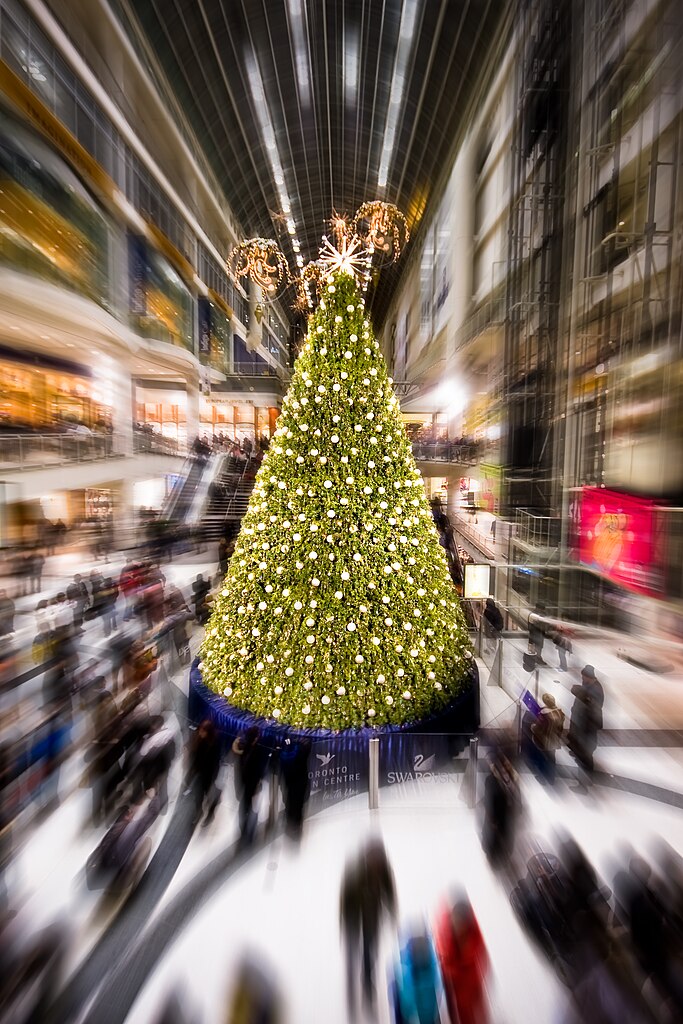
[473,768]
[373,774]
[274,791]
[518,726]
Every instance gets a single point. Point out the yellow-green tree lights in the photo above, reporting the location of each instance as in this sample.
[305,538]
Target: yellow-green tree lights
[337,609]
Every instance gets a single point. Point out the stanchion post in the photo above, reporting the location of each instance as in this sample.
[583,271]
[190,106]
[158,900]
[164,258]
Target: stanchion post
[373,774]
[274,791]
[473,767]
[518,726]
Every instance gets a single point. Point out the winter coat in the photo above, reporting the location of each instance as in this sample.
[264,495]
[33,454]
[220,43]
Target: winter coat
[464,965]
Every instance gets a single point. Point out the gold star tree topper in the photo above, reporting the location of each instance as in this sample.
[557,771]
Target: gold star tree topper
[349,257]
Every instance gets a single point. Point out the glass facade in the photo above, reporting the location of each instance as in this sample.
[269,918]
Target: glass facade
[61,206]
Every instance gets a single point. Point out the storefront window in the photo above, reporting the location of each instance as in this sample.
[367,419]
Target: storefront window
[33,398]
[162,413]
[49,223]
[161,305]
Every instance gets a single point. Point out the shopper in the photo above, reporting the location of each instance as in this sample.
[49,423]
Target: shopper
[492,620]
[251,763]
[537,631]
[546,734]
[417,985]
[200,592]
[586,720]
[77,595]
[368,892]
[501,801]
[464,963]
[108,597]
[155,758]
[6,614]
[563,646]
[296,783]
[36,564]
[203,765]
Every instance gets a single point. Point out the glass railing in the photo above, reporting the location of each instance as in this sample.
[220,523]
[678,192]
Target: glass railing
[445,451]
[147,441]
[36,451]
[259,370]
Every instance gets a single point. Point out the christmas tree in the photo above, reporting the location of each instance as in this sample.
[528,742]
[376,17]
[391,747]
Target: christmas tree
[338,610]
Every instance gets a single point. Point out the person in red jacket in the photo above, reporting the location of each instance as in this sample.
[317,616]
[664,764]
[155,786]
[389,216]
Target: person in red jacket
[464,963]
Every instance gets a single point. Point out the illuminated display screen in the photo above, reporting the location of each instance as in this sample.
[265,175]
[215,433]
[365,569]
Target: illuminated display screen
[617,537]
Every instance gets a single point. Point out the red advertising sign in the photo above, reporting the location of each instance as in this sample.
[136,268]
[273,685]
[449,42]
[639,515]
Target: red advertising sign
[617,538]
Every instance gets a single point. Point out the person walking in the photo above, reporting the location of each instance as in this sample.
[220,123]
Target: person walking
[464,963]
[537,631]
[108,596]
[417,985]
[585,720]
[563,646]
[203,765]
[501,800]
[252,760]
[296,784]
[77,595]
[546,734]
[200,592]
[6,614]
[36,574]
[368,892]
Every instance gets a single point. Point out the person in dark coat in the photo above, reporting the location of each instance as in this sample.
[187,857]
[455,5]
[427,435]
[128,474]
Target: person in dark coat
[200,591]
[537,631]
[252,761]
[501,798]
[367,892]
[77,594]
[155,758]
[493,618]
[296,784]
[6,614]
[203,765]
[586,719]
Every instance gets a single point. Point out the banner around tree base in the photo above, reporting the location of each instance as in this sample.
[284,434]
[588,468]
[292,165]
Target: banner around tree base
[339,760]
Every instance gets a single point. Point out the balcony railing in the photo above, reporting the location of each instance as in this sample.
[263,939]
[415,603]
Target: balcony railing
[445,451]
[259,370]
[38,451]
[537,531]
[157,444]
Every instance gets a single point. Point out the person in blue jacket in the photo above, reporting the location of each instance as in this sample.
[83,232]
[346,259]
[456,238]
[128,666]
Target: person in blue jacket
[418,988]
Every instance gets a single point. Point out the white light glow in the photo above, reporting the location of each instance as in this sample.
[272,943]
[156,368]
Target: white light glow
[398,81]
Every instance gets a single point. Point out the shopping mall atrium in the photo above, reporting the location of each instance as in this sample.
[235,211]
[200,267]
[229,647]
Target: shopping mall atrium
[341,511]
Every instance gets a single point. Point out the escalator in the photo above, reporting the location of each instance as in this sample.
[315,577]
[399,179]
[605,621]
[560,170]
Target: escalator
[228,497]
[179,503]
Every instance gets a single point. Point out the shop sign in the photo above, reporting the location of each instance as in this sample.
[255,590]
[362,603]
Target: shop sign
[204,315]
[337,771]
[477,582]
[137,274]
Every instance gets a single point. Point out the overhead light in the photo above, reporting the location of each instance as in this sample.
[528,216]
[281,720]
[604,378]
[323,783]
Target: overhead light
[351,55]
[295,11]
[268,134]
[398,81]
